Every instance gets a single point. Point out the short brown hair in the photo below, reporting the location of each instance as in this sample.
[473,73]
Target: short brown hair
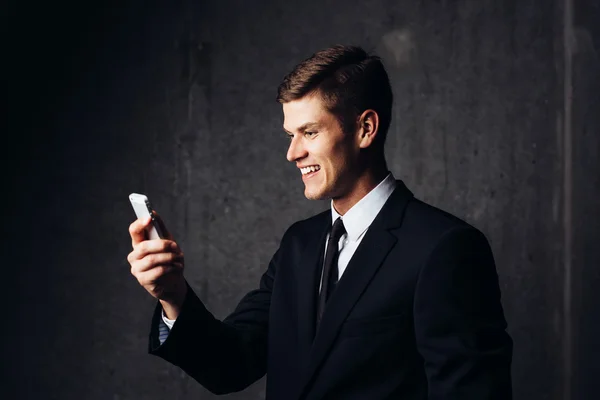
[348,80]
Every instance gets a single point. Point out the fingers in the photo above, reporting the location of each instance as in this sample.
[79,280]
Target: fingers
[151,276]
[152,260]
[146,247]
[157,264]
[155,274]
[137,230]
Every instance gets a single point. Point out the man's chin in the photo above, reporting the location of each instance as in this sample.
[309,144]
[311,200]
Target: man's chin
[314,194]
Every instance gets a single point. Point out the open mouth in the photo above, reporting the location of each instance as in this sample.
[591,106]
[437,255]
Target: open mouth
[309,171]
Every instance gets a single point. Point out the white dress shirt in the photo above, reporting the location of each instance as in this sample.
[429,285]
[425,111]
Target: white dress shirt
[356,221]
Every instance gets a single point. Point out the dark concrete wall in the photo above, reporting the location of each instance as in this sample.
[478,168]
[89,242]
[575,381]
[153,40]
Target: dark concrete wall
[495,120]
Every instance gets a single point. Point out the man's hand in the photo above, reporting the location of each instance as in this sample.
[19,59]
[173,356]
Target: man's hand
[158,266]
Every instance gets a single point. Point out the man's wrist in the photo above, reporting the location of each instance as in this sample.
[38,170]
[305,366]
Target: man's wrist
[172,306]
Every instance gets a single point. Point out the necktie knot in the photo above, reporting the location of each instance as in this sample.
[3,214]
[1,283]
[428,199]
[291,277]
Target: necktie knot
[337,231]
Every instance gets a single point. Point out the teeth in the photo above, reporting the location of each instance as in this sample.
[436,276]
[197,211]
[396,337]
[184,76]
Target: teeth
[310,169]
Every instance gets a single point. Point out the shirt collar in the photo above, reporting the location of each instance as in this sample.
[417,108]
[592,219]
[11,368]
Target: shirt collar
[361,215]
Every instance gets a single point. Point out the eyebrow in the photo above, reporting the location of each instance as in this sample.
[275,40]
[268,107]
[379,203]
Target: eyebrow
[305,126]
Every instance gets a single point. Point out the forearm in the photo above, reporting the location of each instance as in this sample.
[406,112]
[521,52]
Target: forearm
[221,356]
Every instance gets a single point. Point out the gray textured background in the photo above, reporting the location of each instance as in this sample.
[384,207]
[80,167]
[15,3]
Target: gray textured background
[496,119]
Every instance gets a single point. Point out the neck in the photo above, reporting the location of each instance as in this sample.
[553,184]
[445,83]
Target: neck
[364,183]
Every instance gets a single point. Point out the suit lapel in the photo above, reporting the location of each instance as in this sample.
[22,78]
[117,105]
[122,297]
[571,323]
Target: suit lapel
[308,275]
[365,262]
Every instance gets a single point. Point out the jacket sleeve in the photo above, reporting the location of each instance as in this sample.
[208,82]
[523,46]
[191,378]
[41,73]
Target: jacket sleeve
[223,356]
[460,327]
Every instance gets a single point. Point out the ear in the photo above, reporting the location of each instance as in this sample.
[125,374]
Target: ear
[368,126]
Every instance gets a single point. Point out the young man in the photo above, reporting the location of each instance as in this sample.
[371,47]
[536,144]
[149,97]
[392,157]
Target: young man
[380,297]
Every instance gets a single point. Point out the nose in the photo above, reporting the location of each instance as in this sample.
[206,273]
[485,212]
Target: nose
[296,150]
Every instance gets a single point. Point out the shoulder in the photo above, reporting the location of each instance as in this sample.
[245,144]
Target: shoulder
[426,223]
[306,228]
[434,217]
[309,225]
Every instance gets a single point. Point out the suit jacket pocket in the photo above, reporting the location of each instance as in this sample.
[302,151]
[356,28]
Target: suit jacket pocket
[372,326]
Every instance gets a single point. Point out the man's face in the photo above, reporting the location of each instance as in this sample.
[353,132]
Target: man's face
[326,156]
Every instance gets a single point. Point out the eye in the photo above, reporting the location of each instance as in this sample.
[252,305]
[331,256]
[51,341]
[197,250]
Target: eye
[290,136]
[309,134]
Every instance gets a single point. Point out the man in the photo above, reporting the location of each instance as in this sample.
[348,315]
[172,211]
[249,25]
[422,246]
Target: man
[380,297]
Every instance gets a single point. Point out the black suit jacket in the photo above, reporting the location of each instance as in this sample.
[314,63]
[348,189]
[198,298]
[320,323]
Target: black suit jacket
[416,315]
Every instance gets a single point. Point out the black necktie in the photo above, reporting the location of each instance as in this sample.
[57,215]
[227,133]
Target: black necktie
[330,267]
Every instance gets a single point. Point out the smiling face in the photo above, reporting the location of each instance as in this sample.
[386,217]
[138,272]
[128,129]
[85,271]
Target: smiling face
[327,158]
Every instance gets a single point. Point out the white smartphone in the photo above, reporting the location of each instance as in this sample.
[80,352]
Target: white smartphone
[143,209]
